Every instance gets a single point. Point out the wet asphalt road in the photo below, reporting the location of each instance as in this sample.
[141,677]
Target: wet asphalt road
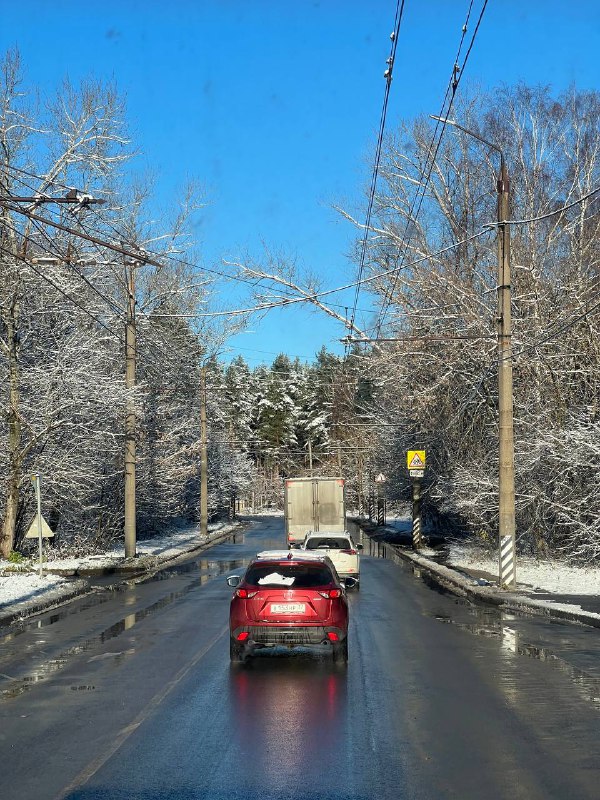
[129,694]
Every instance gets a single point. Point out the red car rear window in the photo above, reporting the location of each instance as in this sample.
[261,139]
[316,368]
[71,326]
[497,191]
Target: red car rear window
[291,576]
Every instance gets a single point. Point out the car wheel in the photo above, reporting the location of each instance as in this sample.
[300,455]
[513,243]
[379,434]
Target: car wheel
[340,652]
[357,587]
[236,652]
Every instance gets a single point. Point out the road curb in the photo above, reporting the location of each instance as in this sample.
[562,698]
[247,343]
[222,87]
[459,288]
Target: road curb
[138,573]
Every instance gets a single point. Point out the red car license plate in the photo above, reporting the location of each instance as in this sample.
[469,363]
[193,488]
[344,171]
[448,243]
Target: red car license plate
[288,608]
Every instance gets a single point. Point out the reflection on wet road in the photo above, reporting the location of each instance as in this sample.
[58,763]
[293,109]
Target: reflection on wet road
[129,694]
[41,666]
[294,709]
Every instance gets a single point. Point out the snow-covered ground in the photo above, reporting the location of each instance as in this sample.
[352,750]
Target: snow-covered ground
[555,577]
[16,586]
[552,576]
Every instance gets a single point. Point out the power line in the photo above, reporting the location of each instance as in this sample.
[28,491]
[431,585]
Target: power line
[310,297]
[142,256]
[61,291]
[64,259]
[388,75]
[544,216]
[111,303]
[412,216]
[94,240]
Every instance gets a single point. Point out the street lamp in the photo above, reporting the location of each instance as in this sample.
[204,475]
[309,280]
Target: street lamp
[506,478]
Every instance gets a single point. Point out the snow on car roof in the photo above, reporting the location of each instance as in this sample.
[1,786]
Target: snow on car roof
[289,555]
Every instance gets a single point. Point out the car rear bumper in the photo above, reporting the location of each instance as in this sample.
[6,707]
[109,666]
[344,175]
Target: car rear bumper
[287,635]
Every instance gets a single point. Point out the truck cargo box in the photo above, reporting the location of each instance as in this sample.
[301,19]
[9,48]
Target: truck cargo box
[313,504]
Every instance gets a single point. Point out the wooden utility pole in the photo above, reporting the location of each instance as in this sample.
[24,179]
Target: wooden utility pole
[203,456]
[130,356]
[507,536]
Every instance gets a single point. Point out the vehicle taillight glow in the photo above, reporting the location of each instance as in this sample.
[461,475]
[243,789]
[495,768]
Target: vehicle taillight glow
[244,594]
[243,636]
[350,552]
[331,594]
[333,637]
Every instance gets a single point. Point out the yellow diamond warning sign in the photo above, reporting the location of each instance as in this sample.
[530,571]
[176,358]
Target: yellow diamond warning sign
[415,459]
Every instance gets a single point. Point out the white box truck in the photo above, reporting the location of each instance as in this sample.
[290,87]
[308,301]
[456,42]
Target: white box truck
[313,504]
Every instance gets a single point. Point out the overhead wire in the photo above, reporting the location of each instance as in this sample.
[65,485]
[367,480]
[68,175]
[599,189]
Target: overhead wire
[365,280]
[544,216]
[154,255]
[48,280]
[88,227]
[65,259]
[545,337]
[308,298]
[388,75]
[412,216]
[262,307]
[112,304]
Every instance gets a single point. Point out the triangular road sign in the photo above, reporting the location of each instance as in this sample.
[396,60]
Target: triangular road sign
[415,459]
[32,532]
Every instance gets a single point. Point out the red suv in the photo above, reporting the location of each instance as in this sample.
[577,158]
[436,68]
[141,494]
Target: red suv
[288,598]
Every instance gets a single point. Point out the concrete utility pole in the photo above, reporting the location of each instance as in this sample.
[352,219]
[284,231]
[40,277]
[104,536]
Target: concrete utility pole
[310,458]
[203,456]
[507,533]
[130,423]
[506,478]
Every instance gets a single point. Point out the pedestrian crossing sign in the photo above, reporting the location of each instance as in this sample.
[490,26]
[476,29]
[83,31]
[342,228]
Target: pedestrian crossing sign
[415,459]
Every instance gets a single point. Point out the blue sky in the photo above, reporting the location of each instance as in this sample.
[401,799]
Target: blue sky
[274,105]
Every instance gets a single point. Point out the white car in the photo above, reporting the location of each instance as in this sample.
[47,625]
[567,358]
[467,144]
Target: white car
[341,550]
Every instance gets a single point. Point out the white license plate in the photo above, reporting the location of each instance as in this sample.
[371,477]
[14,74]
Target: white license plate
[288,608]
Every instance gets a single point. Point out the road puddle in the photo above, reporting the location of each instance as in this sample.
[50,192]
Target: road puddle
[43,668]
[559,644]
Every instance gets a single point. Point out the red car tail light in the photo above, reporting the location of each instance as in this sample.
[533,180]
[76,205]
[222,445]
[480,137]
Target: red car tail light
[350,552]
[244,594]
[331,594]
[241,637]
[333,637]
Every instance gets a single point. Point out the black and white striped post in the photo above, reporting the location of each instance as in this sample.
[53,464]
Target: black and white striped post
[380,508]
[415,461]
[416,516]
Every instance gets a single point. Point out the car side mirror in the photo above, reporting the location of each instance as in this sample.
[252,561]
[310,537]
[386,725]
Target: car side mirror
[233,581]
[359,547]
[350,582]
